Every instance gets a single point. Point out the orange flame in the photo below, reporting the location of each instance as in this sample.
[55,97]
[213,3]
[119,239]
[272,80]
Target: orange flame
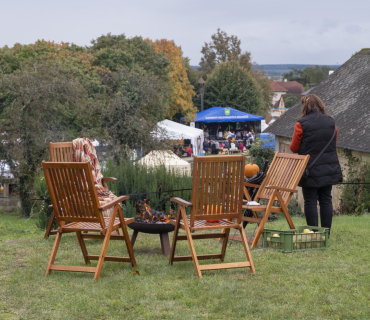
[149,214]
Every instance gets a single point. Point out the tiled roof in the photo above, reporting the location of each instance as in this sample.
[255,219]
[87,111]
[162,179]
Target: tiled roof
[291,86]
[276,87]
[346,95]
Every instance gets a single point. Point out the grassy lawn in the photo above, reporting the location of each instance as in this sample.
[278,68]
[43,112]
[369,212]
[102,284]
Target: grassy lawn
[326,284]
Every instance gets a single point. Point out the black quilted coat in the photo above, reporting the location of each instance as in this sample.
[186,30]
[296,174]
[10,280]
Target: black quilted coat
[318,129]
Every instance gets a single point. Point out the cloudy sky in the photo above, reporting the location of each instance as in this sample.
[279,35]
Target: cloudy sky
[284,31]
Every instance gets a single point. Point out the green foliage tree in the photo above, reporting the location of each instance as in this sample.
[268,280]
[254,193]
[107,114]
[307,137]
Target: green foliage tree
[231,86]
[290,101]
[40,102]
[310,76]
[224,48]
[193,76]
[221,49]
[117,51]
[134,104]
[115,91]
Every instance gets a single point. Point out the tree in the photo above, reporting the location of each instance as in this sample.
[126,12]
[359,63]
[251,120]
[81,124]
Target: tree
[231,86]
[40,102]
[115,52]
[290,101]
[193,76]
[58,92]
[182,90]
[134,105]
[311,76]
[223,48]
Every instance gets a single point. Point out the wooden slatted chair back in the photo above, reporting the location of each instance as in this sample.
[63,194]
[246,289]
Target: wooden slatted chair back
[217,191]
[72,192]
[285,171]
[61,152]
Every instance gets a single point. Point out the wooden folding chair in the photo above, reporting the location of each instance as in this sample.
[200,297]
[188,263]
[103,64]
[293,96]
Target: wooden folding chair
[280,184]
[217,194]
[72,192]
[63,152]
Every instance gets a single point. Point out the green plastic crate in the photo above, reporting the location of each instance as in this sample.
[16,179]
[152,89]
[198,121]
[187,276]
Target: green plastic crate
[295,240]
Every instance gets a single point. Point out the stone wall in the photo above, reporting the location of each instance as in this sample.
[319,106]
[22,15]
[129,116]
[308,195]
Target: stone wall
[8,200]
[282,145]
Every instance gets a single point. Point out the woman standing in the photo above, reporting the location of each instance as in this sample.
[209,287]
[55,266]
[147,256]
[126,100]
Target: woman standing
[312,133]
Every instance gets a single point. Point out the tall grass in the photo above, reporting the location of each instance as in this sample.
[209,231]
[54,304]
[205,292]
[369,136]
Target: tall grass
[142,182]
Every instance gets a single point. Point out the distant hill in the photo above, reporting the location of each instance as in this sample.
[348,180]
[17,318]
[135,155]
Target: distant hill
[280,69]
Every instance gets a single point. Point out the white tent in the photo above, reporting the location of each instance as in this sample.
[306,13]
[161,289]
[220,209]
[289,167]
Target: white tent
[167,158]
[177,131]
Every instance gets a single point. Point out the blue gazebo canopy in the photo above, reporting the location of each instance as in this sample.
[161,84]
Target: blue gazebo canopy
[220,114]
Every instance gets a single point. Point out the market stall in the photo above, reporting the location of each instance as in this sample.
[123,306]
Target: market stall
[177,131]
[218,119]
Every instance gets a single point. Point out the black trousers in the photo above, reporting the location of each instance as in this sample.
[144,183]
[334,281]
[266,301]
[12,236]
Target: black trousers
[311,195]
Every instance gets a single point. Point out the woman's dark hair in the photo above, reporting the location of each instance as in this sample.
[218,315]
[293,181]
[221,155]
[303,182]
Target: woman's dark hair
[310,103]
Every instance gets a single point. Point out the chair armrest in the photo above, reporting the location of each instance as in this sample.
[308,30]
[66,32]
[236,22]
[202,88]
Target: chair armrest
[251,185]
[182,202]
[109,179]
[113,203]
[282,189]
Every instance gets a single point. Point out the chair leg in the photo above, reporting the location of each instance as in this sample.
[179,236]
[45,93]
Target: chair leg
[175,233]
[50,225]
[285,210]
[191,243]
[127,238]
[263,220]
[53,253]
[246,249]
[224,244]
[105,246]
[83,246]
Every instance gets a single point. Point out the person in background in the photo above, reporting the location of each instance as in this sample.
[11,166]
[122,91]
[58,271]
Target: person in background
[213,147]
[232,145]
[228,144]
[190,150]
[219,132]
[313,131]
[241,147]
[217,146]
[206,145]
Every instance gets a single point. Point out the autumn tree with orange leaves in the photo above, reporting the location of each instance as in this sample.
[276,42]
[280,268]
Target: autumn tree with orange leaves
[182,90]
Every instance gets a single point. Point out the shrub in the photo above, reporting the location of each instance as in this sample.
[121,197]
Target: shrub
[261,151]
[134,178]
[355,197]
[42,212]
[294,208]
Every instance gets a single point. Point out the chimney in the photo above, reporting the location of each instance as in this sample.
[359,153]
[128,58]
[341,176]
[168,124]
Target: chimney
[330,72]
[285,80]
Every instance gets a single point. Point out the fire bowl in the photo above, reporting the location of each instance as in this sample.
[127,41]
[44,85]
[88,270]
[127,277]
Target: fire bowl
[153,228]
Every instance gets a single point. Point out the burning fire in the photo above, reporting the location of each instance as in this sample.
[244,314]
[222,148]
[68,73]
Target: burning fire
[150,215]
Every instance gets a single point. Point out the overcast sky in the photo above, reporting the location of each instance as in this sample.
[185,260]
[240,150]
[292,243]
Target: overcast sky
[284,31]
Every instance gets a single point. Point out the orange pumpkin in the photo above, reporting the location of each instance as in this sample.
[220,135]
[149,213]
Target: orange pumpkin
[250,170]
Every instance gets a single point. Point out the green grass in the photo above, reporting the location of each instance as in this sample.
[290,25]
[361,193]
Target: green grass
[326,284]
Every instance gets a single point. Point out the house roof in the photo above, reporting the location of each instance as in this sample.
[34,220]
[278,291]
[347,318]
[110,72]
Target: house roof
[276,87]
[345,94]
[292,86]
